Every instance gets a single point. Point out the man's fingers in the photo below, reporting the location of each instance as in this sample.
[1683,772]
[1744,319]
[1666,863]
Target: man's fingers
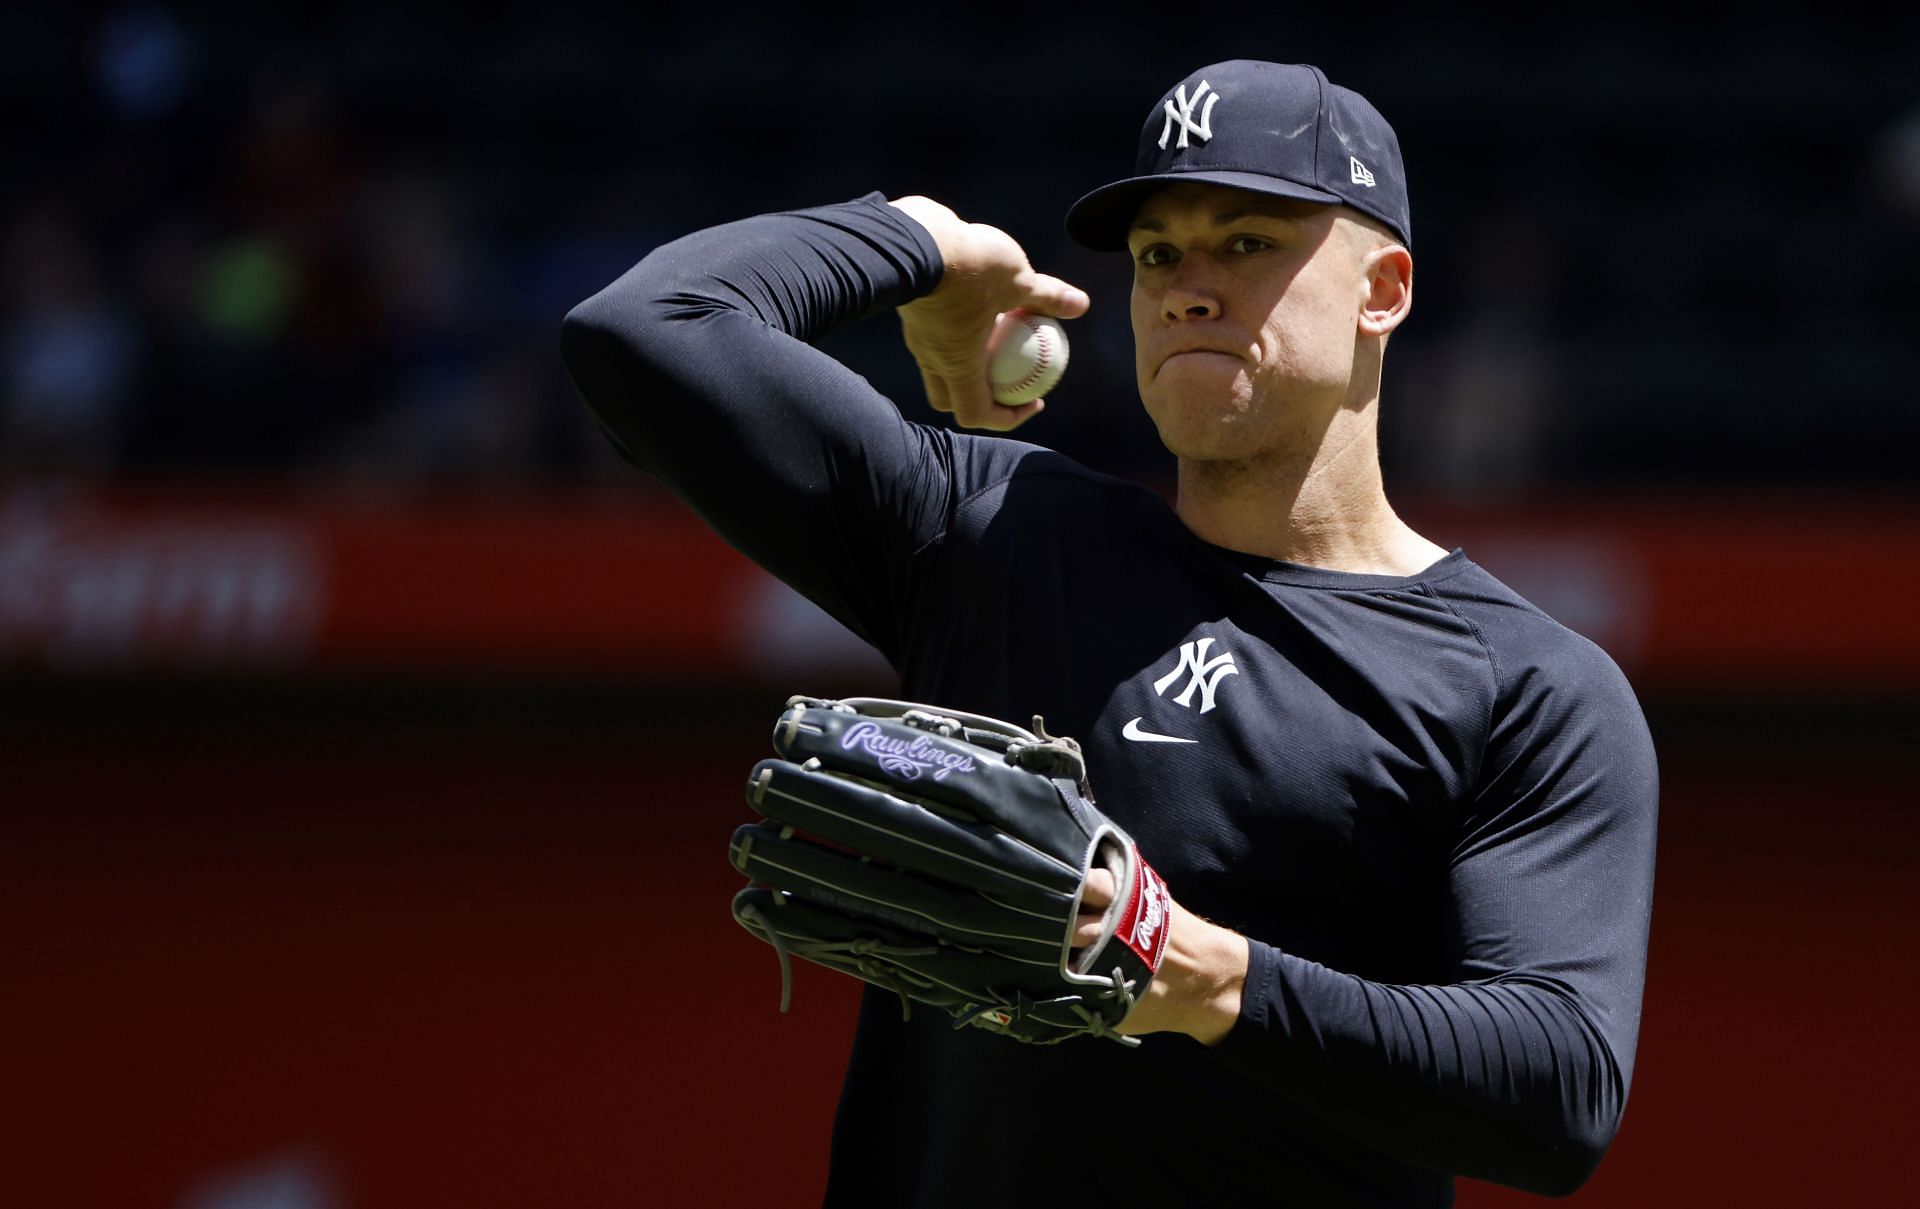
[969,390]
[1006,419]
[948,331]
[1099,890]
[1051,296]
[1086,930]
[937,396]
[994,417]
[973,404]
[1095,898]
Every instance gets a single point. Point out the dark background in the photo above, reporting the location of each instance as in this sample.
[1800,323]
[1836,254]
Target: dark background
[333,241]
[416,895]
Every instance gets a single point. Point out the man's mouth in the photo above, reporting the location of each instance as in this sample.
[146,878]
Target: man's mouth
[1178,353]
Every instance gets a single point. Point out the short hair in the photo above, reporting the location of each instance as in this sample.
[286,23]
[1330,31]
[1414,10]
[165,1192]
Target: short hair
[1382,232]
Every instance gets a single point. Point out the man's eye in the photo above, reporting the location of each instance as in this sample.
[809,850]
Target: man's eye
[1155,254]
[1248,243]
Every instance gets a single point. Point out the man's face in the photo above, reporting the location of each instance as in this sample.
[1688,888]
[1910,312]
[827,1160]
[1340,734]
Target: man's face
[1244,308]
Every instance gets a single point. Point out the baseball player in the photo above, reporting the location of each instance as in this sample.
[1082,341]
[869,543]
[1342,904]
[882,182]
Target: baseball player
[1407,820]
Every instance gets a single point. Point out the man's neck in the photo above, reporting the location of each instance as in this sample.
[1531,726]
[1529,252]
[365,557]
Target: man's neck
[1323,508]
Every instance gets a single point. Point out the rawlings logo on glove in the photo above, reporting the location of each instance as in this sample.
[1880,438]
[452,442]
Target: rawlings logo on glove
[905,759]
[1140,923]
[960,892]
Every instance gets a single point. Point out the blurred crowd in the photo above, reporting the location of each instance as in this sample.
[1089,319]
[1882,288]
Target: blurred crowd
[335,245]
[225,270]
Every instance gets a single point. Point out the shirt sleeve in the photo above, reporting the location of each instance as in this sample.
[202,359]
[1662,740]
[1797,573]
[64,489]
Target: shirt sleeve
[1515,1069]
[698,364]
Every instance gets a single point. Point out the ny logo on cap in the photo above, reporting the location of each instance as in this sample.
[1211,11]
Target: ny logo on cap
[1203,129]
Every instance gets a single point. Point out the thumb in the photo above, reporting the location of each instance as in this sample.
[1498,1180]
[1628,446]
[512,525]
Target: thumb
[1051,296]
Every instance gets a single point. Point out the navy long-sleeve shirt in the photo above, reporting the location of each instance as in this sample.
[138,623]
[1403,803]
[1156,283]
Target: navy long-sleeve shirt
[1429,806]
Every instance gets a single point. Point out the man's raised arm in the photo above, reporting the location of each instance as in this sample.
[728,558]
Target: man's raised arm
[698,363]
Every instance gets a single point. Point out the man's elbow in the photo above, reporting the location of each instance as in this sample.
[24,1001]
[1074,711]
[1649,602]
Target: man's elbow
[1559,1166]
[589,345]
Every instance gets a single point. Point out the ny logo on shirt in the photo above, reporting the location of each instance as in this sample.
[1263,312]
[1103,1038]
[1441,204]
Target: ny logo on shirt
[1202,673]
[1202,129]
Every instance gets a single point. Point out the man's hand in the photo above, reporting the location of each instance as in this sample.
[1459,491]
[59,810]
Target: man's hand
[1201,978]
[986,273]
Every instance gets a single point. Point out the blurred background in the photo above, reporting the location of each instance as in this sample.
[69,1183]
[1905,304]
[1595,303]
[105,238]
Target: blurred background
[369,735]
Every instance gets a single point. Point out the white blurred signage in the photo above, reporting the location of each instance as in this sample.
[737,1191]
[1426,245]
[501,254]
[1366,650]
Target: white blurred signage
[80,587]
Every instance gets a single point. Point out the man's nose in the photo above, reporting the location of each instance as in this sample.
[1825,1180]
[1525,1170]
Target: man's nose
[1188,297]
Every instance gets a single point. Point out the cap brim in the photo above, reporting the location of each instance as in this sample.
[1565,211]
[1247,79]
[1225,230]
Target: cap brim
[1101,219]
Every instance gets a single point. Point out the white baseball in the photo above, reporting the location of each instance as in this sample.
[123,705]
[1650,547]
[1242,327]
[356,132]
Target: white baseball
[1026,356]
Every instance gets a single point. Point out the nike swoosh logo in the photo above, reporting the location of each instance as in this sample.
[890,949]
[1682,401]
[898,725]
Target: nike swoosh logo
[1132,731]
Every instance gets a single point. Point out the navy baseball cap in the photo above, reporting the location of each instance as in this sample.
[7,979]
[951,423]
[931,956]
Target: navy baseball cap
[1275,128]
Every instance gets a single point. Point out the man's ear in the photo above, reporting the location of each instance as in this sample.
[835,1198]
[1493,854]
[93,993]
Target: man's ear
[1388,278]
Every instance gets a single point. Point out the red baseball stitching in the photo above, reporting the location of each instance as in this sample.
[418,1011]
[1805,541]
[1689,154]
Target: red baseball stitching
[1040,365]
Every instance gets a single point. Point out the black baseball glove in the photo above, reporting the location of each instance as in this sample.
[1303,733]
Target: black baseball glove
[942,855]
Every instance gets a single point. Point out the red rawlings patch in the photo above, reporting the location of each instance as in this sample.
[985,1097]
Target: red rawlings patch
[1144,922]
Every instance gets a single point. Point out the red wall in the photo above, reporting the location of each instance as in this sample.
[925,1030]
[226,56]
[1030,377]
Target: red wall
[478,954]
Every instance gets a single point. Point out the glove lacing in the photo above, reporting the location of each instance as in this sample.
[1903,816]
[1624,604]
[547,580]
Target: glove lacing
[868,955]
[1001,1017]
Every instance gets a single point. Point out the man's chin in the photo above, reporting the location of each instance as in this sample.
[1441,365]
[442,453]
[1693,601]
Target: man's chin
[1223,441]
[1200,421]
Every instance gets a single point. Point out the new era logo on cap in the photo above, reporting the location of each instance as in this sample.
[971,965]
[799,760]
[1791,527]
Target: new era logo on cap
[1286,131]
